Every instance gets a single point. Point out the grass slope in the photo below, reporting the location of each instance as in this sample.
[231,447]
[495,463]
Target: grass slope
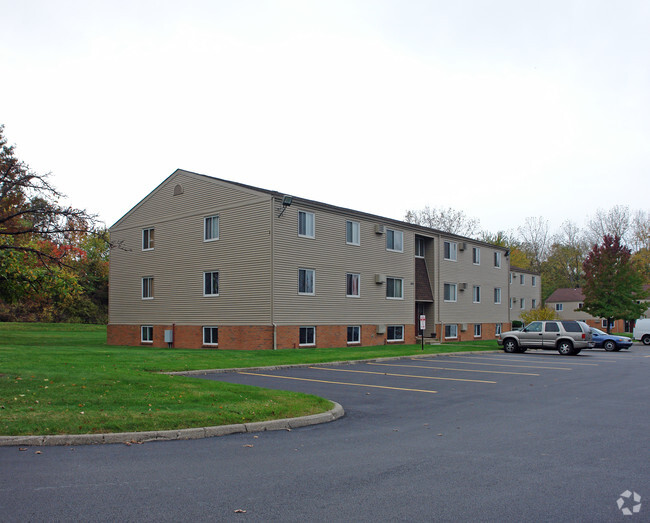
[64,379]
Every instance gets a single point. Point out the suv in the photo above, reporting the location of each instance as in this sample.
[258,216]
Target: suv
[567,337]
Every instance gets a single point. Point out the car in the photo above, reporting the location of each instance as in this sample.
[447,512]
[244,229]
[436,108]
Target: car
[609,342]
[641,330]
[568,337]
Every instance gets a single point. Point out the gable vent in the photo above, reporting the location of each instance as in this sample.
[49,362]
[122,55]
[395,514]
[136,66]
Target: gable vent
[178,190]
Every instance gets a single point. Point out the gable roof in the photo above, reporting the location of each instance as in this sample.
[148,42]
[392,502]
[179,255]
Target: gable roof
[561,295]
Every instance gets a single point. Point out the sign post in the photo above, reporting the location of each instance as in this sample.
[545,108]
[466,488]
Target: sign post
[423,325]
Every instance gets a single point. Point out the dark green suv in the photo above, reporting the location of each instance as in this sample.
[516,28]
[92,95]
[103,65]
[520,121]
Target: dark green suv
[567,337]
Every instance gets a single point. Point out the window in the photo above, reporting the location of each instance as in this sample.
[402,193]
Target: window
[533,281]
[534,303]
[451,331]
[522,279]
[394,240]
[581,304]
[352,285]
[306,281]
[497,329]
[354,334]
[497,295]
[551,327]
[510,281]
[147,239]
[395,288]
[476,293]
[419,247]
[147,288]
[451,251]
[307,336]
[306,224]
[497,259]
[522,303]
[476,255]
[210,228]
[559,307]
[146,333]
[451,292]
[211,283]
[395,333]
[211,336]
[512,300]
[477,330]
[352,235]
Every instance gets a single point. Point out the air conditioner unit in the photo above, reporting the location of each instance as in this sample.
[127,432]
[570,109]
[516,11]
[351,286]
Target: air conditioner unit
[462,246]
[380,229]
[380,278]
[462,286]
[463,327]
[381,329]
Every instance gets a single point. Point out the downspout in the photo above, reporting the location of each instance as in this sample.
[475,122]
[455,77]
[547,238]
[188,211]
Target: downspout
[272,232]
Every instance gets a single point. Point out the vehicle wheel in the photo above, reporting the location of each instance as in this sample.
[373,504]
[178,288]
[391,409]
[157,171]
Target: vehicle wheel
[510,345]
[565,348]
[609,346]
[646,339]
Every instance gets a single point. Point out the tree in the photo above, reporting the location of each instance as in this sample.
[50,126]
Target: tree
[35,232]
[613,285]
[538,314]
[534,235]
[447,220]
[614,222]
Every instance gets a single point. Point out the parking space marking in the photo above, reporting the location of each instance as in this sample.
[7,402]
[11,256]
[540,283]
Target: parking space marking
[500,364]
[513,357]
[338,382]
[460,370]
[400,375]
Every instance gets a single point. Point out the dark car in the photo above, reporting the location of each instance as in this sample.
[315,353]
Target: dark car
[609,342]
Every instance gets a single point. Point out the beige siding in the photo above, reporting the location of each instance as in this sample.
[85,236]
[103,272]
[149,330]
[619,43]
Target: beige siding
[464,271]
[180,256]
[331,258]
[526,291]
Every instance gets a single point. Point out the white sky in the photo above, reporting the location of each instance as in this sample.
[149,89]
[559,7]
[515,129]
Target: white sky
[502,109]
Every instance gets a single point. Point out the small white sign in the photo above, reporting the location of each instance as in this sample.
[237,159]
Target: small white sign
[423,322]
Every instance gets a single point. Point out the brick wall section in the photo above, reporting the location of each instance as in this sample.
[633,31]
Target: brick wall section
[254,337]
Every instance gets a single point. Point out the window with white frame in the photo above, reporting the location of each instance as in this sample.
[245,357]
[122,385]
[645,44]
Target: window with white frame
[395,333]
[497,329]
[394,240]
[210,228]
[451,331]
[307,336]
[450,292]
[533,303]
[559,307]
[354,334]
[477,330]
[476,255]
[147,239]
[522,279]
[352,285]
[497,295]
[211,283]
[306,224]
[522,303]
[450,251]
[146,333]
[352,234]
[419,247]
[533,281]
[497,259]
[147,288]
[395,288]
[211,336]
[476,293]
[510,280]
[306,281]
[512,300]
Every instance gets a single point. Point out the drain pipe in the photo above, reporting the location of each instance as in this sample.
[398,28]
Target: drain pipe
[275,336]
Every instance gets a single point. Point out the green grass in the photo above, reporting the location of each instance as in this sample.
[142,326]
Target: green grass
[64,379]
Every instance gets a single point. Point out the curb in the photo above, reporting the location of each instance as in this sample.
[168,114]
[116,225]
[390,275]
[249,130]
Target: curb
[334,413]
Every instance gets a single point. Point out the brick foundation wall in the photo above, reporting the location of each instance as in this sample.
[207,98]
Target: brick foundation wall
[253,337]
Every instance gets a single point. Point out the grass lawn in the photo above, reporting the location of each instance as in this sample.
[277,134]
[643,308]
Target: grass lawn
[64,379]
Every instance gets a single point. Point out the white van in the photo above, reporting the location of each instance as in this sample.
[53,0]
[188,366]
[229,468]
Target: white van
[642,331]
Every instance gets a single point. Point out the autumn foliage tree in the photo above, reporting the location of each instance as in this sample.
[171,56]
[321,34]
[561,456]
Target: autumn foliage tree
[41,241]
[613,284]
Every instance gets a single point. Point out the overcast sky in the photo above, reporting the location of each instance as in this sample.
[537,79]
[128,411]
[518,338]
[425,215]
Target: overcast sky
[501,109]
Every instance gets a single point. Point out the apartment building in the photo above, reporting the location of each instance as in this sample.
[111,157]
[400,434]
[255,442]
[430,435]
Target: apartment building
[525,291]
[206,262]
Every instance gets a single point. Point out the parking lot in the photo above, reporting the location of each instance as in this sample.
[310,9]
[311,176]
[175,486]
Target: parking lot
[463,437]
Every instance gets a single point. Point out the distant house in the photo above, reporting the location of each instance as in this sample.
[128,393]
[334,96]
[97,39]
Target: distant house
[568,303]
[525,291]
[207,262]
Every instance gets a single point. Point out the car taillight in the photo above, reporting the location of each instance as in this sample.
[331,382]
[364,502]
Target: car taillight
[584,335]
